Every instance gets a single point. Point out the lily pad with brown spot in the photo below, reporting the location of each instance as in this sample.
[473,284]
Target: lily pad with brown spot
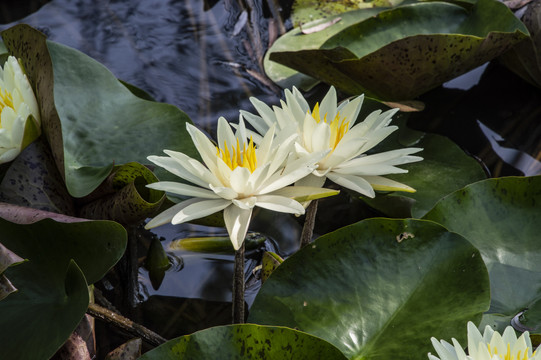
[403,52]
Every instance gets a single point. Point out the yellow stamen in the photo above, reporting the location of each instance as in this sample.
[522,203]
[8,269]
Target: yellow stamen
[5,100]
[244,157]
[339,127]
[508,355]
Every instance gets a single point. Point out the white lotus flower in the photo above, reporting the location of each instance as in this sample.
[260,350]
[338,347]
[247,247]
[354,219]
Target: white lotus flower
[237,177]
[330,127]
[17,103]
[489,346]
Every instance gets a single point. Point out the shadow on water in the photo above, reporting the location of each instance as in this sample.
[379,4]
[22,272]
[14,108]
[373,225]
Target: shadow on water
[207,63]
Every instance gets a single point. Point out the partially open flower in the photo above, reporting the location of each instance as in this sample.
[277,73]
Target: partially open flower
[19,112]
[330,127]
[235,177]
[489,346]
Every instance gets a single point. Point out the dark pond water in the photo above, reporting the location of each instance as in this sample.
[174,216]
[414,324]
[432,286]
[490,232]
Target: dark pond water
[207,63]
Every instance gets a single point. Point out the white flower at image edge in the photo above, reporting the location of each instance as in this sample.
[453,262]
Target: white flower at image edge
[330,127]
[235,177]
[489,346]
[17,103]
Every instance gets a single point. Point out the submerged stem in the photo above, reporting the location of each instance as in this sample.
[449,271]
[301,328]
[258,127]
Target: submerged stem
[238,286]
[309,222]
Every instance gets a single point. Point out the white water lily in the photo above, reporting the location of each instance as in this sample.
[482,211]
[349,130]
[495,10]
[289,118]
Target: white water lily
[489,346]
[17,103]
[235,177]
[330,127]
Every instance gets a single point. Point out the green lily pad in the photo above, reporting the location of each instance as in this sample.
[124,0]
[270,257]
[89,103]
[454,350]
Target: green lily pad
[525,58]
[403,52]
[63,258]
[124,197]
[501,218]
[305,11]
[287,77]
[378,289]
[91,120]
[246,341]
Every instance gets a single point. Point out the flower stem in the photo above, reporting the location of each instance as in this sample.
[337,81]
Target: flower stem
[238,286]
[309,222]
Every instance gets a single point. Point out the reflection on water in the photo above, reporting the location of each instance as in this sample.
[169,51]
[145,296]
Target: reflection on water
[174,50]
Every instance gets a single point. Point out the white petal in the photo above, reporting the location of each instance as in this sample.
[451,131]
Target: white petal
[311,180]
[459,350]
[264,111]
[308,127]
[183,189]
[321,137]
[9,155]
[474,336]
[343,152]
[204,146]
[167,215]
[280,204]
[225,135]
[350,111]
[239,179]
[256,121]
[300,100]
[294,171]
[281,153]
[443,351]
[245,203]
[237,221]
[264,150]
[296,109]
[8,118]
[224,192]
[200,209]
[180,166]
[257,178]
[377,136]
[327,108]
[355,183]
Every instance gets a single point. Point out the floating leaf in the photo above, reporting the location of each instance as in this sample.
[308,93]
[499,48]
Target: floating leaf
[92,120]
[501,218]
[378,289]
[63,258]
[403,52]
[246,341]
[525,58]
[124,197]
[269,262]
[287,77]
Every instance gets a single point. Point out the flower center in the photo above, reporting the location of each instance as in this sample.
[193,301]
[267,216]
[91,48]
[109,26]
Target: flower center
[508,355]
[244,157]
[339,127]
[5,100]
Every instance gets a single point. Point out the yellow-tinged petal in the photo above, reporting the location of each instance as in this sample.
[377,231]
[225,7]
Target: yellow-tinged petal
[305,193]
